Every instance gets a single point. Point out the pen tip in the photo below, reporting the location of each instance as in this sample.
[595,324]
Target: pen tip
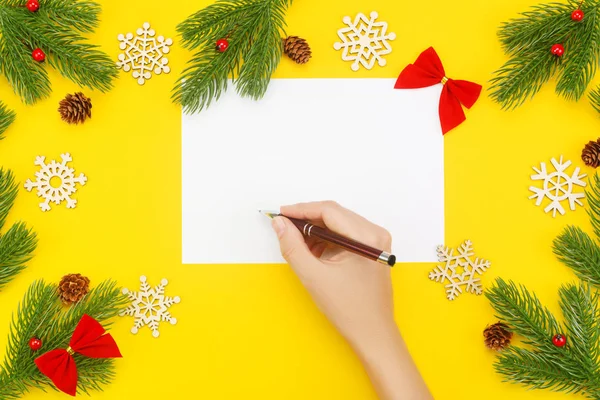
[268,213]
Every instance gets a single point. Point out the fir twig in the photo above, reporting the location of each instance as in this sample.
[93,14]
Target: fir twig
[571,369]
[595,98]
[18,243]
[578,251]
[57,29]
[253,28]
[528,41]
[575,248]
[583,51]
[7,117]
[41,314]
[524,313]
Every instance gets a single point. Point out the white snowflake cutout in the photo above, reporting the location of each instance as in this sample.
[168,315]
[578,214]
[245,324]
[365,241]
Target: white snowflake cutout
[149,306]
[364,41]
[558,186]
[459,271]
[45,188]
[144,53]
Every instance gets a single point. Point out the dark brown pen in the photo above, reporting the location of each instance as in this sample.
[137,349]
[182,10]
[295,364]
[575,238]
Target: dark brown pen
[310,230]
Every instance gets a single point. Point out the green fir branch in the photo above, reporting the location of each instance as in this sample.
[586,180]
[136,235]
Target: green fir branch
[574,248]
[581,57]
[528,40]
[18,243]
[42,315]
[593,199]
[524,313]
[523,76]
[7,117]
[542,25]
[579,305]
[571,369]
[57,29]
[253,29]
[533,369]
[594,97]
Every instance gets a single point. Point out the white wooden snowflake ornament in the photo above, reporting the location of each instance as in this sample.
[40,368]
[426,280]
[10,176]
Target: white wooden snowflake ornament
[364,41]
[557,186]
[65,181]
[144,53]
[149,306]
[459,270]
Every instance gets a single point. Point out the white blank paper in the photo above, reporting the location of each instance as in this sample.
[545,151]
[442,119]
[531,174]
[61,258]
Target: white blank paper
[372,148]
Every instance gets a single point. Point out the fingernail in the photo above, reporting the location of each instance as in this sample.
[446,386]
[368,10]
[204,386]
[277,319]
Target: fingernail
[278,226]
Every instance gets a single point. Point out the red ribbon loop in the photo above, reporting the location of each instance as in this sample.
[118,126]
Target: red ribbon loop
[428,71]
[88,340]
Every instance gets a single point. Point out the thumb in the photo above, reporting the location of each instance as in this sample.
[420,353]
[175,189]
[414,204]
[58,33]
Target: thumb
[291,242]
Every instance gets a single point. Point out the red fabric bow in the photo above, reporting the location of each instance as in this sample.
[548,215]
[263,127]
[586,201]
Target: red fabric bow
[428,71]
[88,340]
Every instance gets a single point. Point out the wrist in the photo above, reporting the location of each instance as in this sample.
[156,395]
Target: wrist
[376,341]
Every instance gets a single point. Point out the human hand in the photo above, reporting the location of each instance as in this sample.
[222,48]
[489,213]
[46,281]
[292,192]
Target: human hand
[354,293]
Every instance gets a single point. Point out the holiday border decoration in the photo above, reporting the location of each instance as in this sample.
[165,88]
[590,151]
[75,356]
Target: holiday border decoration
[150,306]
[427,71]
[7,117]
[67,178]
[297,49]
[497,336]
[554,39]
[231,39]
[52,32]
[144,54]
[459,270]
[364,41]
[555,356]
[590,155]
[42,323]
[75,108]
[557,186]
[90,340]
[18,243]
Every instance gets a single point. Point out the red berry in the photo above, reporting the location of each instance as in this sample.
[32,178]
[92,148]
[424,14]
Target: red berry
[222,45]
[558,50]
[33,5]
[38,55]
[35,344]
[559,340]
[577,15]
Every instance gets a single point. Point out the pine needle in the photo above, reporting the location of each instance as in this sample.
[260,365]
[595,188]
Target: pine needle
[7,117]
[253,28]
[41,314]
[574,368]
[57,28]
[18,243]
[528,40]
[595,98]
[571,369]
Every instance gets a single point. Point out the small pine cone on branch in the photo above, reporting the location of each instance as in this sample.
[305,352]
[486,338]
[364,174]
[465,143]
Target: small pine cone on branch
[591,154]
[497,336]
[297,49]
[75,108]
[73,287]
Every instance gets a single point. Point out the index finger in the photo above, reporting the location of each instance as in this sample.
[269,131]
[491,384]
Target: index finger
[340,220]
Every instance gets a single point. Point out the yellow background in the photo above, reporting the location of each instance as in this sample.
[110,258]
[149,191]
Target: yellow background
[251,331]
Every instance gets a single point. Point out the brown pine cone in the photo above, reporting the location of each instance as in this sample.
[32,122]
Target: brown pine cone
[591,154]
[75,108]
[497,336]
[297,49]
[73,287]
